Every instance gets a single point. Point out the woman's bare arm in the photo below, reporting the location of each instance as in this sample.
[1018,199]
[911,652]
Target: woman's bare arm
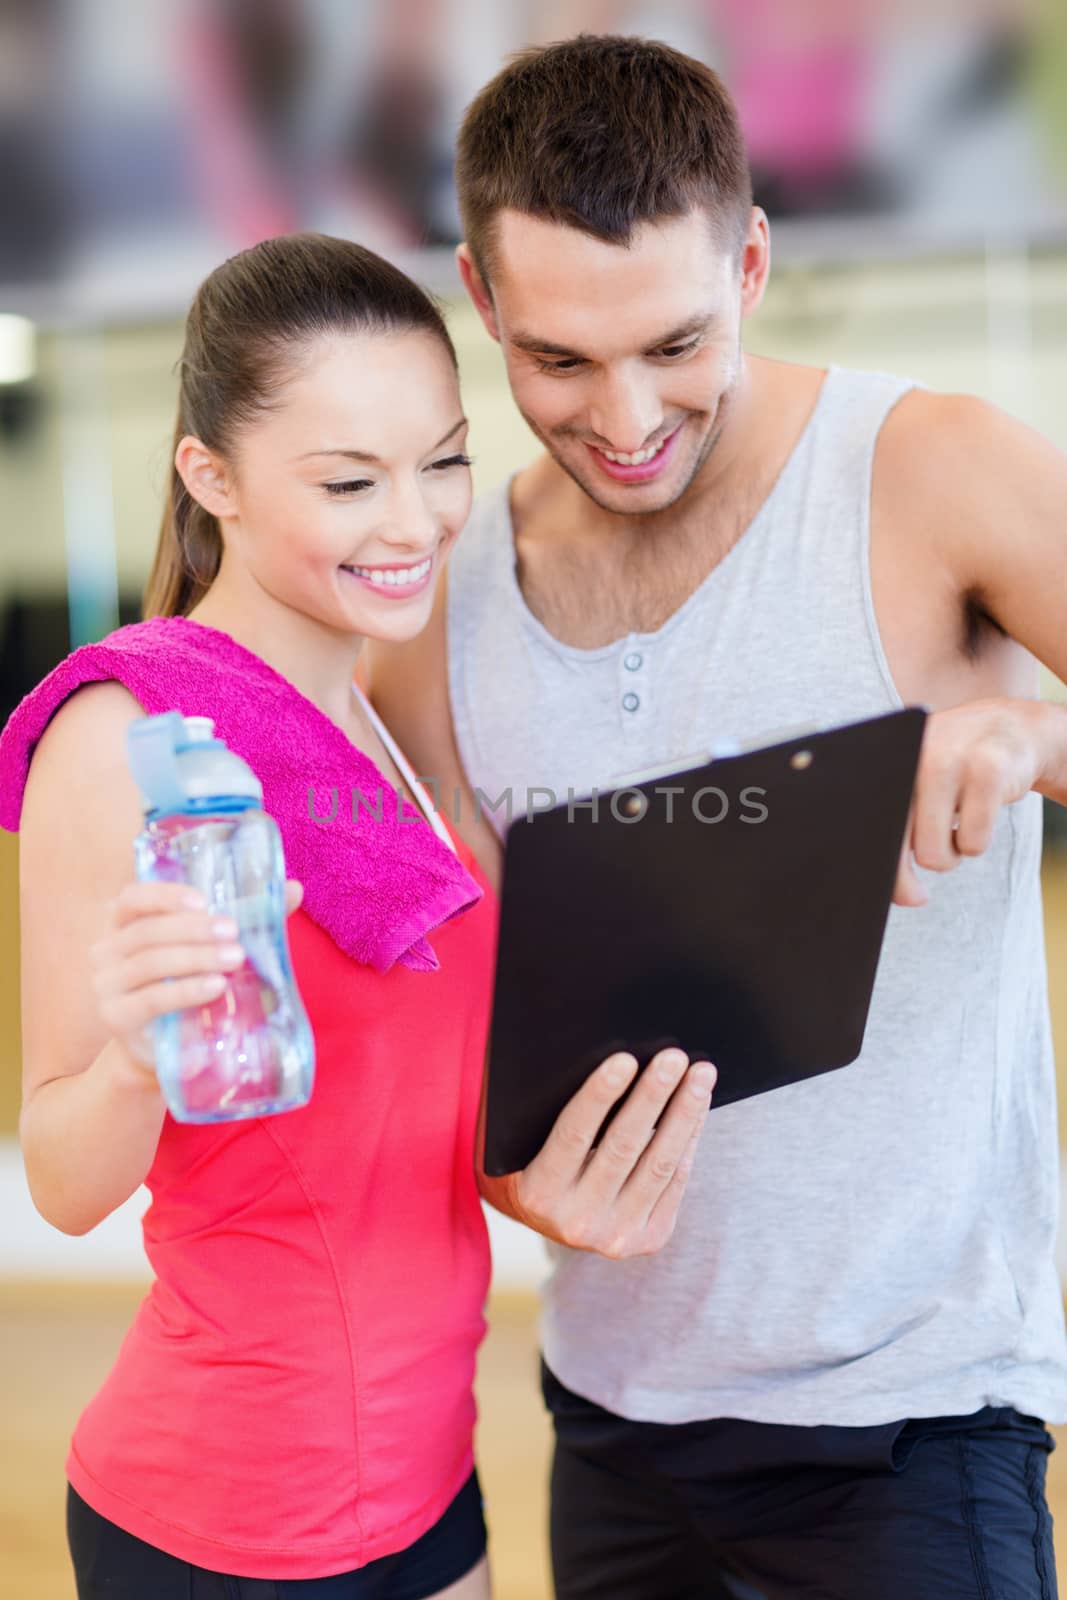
[92,1111]
[102,957]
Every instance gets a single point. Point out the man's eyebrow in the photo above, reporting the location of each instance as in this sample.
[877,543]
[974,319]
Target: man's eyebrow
[365,455]
[686,330]
[545,347]
[542,347]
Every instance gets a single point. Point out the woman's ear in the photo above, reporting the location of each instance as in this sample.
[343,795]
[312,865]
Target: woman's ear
[206,476]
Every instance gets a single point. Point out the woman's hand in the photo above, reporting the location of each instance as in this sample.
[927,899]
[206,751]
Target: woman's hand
[162,951]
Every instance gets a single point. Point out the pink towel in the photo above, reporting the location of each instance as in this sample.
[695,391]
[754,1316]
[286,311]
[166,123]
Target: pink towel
[376,887]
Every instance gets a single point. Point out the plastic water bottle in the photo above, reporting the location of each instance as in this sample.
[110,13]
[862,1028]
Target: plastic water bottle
[250,1052]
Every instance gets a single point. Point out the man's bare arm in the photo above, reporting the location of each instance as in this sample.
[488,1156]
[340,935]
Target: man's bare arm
[988,497]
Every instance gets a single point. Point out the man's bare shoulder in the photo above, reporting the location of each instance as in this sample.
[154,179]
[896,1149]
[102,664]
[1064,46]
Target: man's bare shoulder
[958,447]
[967,528]
[957,470]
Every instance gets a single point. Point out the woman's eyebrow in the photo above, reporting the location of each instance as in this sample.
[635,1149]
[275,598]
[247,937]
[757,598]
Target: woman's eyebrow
[366,455]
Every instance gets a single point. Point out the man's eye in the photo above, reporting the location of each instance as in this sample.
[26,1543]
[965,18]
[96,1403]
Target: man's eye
[349,486]
[568,364]
[673,351]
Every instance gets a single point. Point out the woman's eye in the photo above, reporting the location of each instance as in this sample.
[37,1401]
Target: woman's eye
[349,486]
[452,461]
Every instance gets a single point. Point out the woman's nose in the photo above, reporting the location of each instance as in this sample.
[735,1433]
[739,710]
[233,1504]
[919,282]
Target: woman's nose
[412,523]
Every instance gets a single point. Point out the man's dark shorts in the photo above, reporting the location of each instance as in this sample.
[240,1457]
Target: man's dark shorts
[934,1509]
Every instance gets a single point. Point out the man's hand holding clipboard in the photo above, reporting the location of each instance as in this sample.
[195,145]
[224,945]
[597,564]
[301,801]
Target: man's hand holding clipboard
[619,1195]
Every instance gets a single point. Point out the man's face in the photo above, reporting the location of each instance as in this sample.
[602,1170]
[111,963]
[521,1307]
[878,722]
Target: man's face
[623,360]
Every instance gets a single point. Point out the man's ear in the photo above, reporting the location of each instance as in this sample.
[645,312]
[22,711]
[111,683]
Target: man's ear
[755,261]
[206,477]
[478,290]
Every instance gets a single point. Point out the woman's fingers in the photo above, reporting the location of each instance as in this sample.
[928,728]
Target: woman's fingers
[143,899]
[127,1013]
[162,951]
[158,962]
[153,913]
[170,928]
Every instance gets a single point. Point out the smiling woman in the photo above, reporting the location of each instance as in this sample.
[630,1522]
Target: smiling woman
[319,482]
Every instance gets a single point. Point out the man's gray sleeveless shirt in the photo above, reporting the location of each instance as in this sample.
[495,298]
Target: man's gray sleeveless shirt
[876,1243]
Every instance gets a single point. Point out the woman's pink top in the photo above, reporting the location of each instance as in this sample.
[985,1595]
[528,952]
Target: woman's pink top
[294,1396]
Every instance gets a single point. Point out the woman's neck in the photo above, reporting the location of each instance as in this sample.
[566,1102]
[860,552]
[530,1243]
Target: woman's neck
[317,660]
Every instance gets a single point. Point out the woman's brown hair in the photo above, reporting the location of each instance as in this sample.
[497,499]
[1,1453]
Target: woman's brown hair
[244,328]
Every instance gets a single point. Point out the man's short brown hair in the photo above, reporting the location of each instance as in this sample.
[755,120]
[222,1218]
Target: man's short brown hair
[601,133]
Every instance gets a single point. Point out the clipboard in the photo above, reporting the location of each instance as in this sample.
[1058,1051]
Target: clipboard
[736,908]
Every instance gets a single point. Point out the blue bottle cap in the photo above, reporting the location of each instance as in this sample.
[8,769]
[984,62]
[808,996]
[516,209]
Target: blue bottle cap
[180,767]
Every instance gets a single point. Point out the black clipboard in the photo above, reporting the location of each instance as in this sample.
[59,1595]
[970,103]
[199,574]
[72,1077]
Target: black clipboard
[660,918]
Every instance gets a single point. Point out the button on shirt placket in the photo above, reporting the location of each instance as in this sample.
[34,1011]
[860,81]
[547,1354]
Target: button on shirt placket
[633,693]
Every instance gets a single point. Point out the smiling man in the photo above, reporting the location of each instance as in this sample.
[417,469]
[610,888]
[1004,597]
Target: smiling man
[829,1380]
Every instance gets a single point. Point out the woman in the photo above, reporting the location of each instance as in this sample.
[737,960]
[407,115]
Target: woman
[291,1411]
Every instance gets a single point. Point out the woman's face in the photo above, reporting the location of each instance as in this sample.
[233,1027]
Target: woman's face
[350,490]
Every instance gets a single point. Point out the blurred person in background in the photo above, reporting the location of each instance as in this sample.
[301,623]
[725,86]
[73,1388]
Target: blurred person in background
[34,187]
[299,112]
[291,1411]
[834,1378]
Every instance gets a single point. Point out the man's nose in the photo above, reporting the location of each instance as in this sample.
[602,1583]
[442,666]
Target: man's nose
[625,412]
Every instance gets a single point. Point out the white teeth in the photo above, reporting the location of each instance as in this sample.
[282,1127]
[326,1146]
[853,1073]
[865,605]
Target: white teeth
[633,458]
[393,578]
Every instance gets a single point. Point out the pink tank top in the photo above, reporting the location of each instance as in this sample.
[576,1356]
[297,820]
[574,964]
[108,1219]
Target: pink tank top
[294,1396]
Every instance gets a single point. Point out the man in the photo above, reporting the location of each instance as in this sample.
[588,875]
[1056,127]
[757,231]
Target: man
[827,1381]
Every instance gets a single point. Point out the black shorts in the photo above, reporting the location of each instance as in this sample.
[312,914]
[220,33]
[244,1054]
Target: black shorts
[941,1508]
[110,1564]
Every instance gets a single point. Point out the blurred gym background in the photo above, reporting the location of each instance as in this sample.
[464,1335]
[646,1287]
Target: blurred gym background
[913,159]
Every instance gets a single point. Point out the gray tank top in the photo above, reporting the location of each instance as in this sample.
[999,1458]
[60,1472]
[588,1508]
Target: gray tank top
[878,1242]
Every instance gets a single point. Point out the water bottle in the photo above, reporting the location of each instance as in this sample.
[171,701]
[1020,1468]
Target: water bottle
[249,1052]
